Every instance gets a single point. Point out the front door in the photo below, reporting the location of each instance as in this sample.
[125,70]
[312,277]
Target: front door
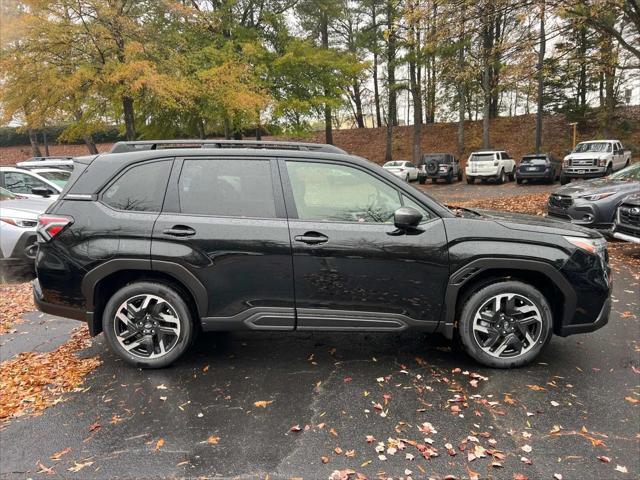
[224,221]
[351,268]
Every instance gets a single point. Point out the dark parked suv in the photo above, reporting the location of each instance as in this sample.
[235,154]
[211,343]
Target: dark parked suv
[151,245]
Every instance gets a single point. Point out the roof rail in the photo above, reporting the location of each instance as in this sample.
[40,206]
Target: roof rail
[141,145]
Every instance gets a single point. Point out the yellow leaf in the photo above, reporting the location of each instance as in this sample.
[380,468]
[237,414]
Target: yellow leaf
[213,440]
[159,444]
[263,403]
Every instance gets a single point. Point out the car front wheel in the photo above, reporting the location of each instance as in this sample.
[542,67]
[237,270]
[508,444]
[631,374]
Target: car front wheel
[505,325]
[148,325]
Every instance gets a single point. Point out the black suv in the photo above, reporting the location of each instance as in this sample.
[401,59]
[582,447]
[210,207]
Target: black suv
[153,244]
[538,166]
[439,165]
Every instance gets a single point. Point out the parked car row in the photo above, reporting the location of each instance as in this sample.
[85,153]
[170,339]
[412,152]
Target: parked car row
[609,204]
[26,191]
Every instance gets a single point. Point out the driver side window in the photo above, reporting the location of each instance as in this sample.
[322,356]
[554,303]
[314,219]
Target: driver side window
[338,193]
[18,182]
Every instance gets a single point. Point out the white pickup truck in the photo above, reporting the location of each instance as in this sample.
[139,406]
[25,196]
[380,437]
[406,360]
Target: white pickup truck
[596,158]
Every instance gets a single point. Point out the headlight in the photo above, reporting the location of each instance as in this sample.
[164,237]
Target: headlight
[602,162]
[597,196]
[595,246]
[566,162]
[19,222]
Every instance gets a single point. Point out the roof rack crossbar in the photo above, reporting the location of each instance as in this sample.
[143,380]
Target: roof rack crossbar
[141,145]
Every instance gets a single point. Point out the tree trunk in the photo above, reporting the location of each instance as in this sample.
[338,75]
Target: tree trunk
[461,85]
[376,91]
[357,100]
[33,140]
[582,82]
[129,119]
[45,142]
[391,66]
[486,75]
[328,127]
[541,52]
[91,145]
[416,96]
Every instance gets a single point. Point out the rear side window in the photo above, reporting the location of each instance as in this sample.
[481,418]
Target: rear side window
[140,188]
[230,188]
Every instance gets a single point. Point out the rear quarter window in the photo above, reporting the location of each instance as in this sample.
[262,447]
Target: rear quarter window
[140,188]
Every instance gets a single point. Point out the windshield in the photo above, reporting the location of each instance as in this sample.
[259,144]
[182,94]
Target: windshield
[534,160]
[60,178]
[629,173]
[481,157]
[593,147]
[394,164]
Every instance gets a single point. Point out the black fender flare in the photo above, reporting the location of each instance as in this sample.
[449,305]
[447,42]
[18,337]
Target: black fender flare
[175,270]
[470,271]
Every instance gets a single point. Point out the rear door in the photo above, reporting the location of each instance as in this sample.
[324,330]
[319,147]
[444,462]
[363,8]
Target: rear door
[351,268]
[224,220]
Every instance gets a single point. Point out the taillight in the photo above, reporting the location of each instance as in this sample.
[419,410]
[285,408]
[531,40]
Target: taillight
[51,225]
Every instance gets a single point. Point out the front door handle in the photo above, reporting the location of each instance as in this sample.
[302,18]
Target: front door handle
[311,238]
[180,231]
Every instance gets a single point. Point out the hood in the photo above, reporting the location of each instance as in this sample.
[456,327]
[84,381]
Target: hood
[597,185]
[519,221]
[589,155]
[27,207]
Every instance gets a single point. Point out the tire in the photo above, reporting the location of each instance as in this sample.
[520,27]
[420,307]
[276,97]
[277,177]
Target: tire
[459,175]
[501,177]
[519,181]
[161,296]
[449,178]
[564,180]
[470,180]
[512,176]
[406,178]
[422,180]
[477,334]
[434,180]
[609,170]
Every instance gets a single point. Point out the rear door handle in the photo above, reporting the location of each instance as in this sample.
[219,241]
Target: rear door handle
[180,231]
[311,238]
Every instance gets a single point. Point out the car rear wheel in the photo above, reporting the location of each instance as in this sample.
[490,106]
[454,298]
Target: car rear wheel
[505,325]
[501,178]
[459,175]
[148,325]
[470,180]
[422,180]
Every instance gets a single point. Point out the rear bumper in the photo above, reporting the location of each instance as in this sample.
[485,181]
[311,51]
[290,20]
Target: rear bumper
[483,174]
[57,310]
[534,175]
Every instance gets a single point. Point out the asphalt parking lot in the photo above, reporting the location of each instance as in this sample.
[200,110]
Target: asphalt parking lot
[302,405]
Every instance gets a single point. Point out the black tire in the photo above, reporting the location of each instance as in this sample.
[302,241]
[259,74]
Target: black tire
[449,178]
[564,180]
[422,180]
[470,180]
[407,179]
[434,180]
[512,176]
[471,341]
[519,181]
[609,170]
[501,177]
[169,295]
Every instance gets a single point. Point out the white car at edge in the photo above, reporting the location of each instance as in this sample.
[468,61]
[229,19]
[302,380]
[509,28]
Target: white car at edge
[403,169]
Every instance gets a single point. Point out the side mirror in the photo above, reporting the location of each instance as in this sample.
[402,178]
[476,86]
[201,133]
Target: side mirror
[407,219]
[42,191]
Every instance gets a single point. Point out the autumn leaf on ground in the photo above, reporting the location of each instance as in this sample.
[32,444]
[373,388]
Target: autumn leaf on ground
[537,388]
[632,400]
[213,440]
[58,455]
[263,403]
[159,444]
[44,469]
[95,426]
[79,466]
[15,300]
[295,428]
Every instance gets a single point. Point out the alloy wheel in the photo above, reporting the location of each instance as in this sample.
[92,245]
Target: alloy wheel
[147,326]
[507,325]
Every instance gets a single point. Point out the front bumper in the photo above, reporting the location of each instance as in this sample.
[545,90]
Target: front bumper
[583,172]
[601,320]
[585,214]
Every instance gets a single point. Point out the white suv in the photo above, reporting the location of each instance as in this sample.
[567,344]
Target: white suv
[496,164]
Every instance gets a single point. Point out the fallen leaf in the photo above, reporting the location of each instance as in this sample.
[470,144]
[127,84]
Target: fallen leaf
[263,403]
[557,476]
[526,448]
[213,440]
[632,400]
[94,426]
[58,455]
[295,428]
[604,459]
[79,466]
[620,468]
[324,459]
[44,469]
[159,444]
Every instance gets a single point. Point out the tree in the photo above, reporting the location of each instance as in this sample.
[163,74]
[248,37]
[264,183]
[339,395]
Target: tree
[541,53]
